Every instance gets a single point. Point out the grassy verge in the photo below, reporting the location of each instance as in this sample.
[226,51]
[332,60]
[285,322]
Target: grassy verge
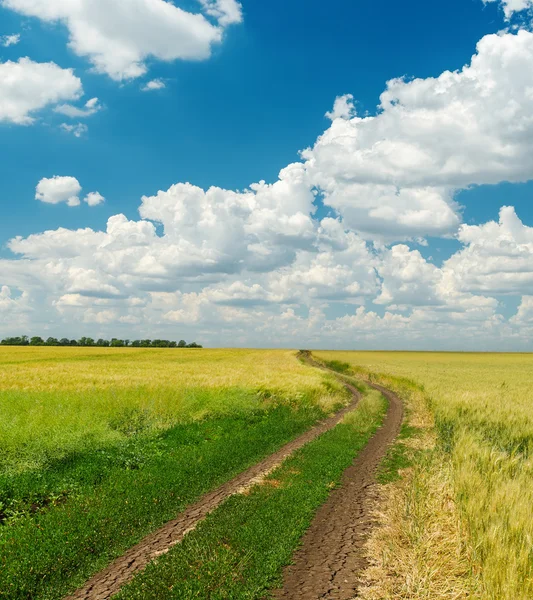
[421,548]
[239,551]
[65,523]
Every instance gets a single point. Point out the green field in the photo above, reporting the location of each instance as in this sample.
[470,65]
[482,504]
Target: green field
[99,447]
[482,410]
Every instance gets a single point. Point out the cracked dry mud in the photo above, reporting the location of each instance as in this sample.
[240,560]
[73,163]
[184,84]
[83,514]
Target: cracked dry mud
[332,557]
[108,582]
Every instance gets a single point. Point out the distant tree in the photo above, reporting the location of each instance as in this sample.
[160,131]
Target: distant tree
[160,343]
[87,341]
[16,341]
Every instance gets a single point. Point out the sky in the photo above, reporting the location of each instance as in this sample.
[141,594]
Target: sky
[290,173]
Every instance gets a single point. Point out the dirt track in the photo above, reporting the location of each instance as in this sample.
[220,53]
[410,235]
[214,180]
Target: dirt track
[109,581]
[331,559]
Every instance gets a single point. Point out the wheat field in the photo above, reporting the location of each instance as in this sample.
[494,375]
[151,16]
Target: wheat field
[481,405]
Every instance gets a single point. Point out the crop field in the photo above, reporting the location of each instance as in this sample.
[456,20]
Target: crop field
[98,447]
[481,405]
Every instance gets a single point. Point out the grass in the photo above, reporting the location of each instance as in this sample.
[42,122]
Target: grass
[101,446]
[239,551]
[56,401]
[472,492]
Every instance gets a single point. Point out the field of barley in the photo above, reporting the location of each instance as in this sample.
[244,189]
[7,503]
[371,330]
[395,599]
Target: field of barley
[481,406]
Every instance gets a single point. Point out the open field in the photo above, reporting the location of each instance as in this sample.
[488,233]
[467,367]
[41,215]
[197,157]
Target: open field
[481,405]
[101,446]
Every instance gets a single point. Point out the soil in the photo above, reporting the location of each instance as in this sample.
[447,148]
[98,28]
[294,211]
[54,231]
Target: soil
[109,581]
[332,556]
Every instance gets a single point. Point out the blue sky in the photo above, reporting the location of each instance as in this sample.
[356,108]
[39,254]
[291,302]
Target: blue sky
[240,116]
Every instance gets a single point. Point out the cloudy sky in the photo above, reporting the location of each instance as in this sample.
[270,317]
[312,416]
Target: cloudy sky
[340,174]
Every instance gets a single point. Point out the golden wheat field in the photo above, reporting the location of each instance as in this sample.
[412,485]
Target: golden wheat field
[481,405]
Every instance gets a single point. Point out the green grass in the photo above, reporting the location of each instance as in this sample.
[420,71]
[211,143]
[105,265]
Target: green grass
[59,401]
[239,551]
[71,520]
[99,447]
[399,456]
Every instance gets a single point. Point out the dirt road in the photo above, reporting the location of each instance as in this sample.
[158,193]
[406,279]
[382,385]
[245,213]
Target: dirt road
[331,559]
[109,581]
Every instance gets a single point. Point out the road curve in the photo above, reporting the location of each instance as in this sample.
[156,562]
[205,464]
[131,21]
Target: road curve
[332,556]
[108,582]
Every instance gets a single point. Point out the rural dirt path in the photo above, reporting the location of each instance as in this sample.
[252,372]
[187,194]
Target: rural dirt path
[108,582]
[331,559]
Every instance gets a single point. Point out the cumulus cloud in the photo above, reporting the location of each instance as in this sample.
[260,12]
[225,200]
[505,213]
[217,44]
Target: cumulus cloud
[155,84]
[9,40]
[90,108]
[94,199]
[227,12]
[497,257]
[118,41]
[226,263]
[510,7]
[395,174]
[27,87]
[343,108]
[78,130]
[59,189]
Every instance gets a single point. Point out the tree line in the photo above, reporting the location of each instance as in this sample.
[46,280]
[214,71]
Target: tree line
[24,340]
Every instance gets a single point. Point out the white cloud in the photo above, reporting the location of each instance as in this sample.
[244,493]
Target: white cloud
[118,40]
[343,108]
[15,310]
[497,257]
[78,130]
[27,87]
[395,174]
[9,40]
[227,12]
[90,108]
[524,314]
[255,266]
[94,199]
[510,7]
[58,189]
[155,84]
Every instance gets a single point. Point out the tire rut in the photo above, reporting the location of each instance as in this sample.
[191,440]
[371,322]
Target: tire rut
[109,582]
[332,556]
